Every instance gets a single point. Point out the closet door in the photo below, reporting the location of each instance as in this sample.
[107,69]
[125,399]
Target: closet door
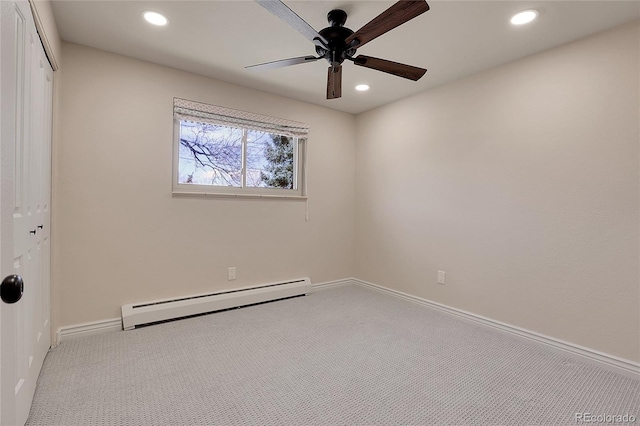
[26,89]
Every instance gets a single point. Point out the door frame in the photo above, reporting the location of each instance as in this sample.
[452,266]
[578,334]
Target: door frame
[52,43]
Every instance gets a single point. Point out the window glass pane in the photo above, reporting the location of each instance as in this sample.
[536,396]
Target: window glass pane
[210,154]
[270,160]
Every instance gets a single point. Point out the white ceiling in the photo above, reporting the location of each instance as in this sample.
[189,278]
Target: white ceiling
[219,38]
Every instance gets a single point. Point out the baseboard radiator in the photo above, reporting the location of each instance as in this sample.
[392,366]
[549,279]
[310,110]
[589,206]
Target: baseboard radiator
[161,310]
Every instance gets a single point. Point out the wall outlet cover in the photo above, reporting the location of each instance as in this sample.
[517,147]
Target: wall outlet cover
[231,273]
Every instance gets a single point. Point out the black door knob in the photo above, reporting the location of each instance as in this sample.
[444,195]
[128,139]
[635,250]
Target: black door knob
[11,288]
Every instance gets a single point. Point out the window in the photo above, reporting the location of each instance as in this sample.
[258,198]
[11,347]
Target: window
[219,151]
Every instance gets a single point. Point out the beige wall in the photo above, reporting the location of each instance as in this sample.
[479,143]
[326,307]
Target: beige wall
[120,235]
[522,184]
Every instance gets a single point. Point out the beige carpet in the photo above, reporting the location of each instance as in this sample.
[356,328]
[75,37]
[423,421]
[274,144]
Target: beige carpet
[346,356]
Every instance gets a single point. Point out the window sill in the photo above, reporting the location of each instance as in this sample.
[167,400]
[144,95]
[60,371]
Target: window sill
[241,196]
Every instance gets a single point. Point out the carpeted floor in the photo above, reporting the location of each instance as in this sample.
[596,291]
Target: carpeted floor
[345,356]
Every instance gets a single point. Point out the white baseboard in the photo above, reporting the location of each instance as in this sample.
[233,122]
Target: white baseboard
[331,284]
[610,362]
[87,329]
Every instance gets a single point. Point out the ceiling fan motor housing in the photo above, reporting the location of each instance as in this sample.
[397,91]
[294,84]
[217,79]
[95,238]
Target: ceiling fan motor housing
[336,34]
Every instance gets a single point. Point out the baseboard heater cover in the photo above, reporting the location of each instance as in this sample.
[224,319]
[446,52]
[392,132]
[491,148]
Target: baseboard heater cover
[166,309]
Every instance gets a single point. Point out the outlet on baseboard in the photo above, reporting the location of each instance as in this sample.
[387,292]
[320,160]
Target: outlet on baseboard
[442,277]
[231,273]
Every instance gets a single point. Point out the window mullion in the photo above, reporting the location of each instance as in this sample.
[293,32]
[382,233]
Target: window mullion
[244,158]
[296,162]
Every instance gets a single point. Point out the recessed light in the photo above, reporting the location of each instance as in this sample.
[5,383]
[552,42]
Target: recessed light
[524,17]
[362,87]
[155,18]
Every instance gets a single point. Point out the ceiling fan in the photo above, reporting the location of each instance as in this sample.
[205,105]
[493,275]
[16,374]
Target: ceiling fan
[337,43]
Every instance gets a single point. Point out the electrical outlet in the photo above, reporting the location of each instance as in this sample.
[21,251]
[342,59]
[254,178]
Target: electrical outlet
[441,277]
[231,273]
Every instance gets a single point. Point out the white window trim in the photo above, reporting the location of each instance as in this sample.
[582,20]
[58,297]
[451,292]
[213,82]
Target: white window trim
[213,191]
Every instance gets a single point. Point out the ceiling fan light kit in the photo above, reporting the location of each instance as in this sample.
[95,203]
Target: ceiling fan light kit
[337,43]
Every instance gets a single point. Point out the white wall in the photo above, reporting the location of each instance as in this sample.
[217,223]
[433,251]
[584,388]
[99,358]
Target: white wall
[120,235]
[522,184]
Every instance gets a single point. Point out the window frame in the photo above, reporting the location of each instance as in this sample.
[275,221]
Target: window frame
[190,189]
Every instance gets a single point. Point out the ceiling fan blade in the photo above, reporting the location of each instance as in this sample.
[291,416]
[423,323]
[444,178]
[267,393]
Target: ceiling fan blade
[283,63]
[396,15]
[334,82]
[390,67]
[283,12]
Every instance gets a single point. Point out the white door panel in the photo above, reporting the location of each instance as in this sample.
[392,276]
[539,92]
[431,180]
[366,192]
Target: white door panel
[25,115]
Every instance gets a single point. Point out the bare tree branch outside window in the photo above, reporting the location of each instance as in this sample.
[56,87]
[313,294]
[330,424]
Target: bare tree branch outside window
[212,155]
